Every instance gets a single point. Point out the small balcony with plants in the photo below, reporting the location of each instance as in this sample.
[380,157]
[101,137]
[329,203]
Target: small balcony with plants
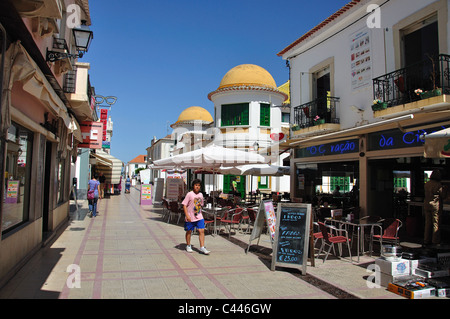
[316,117]
[413,88]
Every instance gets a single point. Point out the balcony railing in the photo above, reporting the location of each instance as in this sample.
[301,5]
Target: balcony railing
[399,87]
[321,110]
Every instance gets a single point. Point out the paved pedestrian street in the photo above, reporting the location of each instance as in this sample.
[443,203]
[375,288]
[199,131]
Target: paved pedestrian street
[129,252]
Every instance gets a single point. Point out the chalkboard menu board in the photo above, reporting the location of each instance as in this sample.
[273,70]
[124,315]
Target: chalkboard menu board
[290,248]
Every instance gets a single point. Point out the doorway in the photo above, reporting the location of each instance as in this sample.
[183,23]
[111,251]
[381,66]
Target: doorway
[322,88]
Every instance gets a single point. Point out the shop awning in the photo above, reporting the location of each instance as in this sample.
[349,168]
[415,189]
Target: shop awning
[110,166]
[405,123]
[437,144]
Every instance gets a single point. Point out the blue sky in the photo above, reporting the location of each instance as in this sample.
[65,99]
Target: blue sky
[161,57]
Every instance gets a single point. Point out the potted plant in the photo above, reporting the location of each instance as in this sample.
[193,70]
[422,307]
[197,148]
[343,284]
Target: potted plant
[318,120]
[295,127]
[378,105]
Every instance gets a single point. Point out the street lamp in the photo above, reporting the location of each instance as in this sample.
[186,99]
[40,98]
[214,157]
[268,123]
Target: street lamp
[82,36]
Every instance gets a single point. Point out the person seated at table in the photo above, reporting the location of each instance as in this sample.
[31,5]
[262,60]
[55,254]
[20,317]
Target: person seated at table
[324,211]
[336,192]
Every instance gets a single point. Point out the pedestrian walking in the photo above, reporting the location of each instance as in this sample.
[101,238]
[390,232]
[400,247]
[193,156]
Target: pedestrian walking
[102,180]
[93,194]
[192,207]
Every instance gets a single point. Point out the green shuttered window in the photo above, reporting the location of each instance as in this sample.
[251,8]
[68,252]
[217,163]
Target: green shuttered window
[235,114]
[264,118]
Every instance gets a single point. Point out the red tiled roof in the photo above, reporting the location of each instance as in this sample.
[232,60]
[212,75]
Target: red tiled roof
[331,18]
[138,159]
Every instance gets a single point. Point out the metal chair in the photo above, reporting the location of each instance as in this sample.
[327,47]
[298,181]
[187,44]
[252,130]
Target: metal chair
[174,210]
[166,209]
[232,217]
[251,219]
[388,232]
[330,240]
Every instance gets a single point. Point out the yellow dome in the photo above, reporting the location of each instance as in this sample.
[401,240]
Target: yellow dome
[194,113]
[248,74]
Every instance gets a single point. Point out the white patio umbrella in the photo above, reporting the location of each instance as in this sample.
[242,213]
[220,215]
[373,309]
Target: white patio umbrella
[265,170]
[437,144]
[211,157]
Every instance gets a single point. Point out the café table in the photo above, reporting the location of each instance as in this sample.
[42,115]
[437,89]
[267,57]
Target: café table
[360,225]
[214,212]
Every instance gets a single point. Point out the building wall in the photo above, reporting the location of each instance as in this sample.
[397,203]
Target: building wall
[333,48]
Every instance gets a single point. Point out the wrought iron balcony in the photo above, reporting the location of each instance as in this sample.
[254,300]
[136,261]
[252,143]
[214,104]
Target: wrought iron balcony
[321,110]
[399,87]
[70,81]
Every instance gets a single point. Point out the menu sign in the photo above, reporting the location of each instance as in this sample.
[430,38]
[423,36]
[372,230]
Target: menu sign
[265,216]
[12,193]
[146,194]
[290,247]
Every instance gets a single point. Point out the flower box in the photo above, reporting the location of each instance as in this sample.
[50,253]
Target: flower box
[319,121]
[432,93]
[379,106]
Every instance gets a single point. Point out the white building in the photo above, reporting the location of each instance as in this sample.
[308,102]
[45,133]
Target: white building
[365,51]
[248,117]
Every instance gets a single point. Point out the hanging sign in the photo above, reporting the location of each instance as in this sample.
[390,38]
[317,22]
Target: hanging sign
[92,134]
[104,120]
[290,247]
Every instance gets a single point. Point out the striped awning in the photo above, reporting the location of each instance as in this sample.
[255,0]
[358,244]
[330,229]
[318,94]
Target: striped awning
[110,166]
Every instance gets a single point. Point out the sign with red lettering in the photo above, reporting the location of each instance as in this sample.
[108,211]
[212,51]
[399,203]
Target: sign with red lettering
[92,134]
[104,120]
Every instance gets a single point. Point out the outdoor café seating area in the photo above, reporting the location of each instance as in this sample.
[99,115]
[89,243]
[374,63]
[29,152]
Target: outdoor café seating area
[224,213]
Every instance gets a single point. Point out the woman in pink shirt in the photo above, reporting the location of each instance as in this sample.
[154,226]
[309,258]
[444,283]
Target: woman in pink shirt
[192,206]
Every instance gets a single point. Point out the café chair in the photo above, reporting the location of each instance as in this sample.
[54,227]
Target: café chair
[387,232]
[208,224]
[166,209]
[251,214]
[175,211]
[329,240]
[232,217]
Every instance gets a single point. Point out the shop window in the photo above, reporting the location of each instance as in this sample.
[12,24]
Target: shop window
[235,114]
[16,199]
[264,118]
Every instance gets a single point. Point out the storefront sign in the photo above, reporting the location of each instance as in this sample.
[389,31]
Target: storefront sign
[12,194]
[92,134]
[361,59]
[393,139]
[104,120]
[337,148]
